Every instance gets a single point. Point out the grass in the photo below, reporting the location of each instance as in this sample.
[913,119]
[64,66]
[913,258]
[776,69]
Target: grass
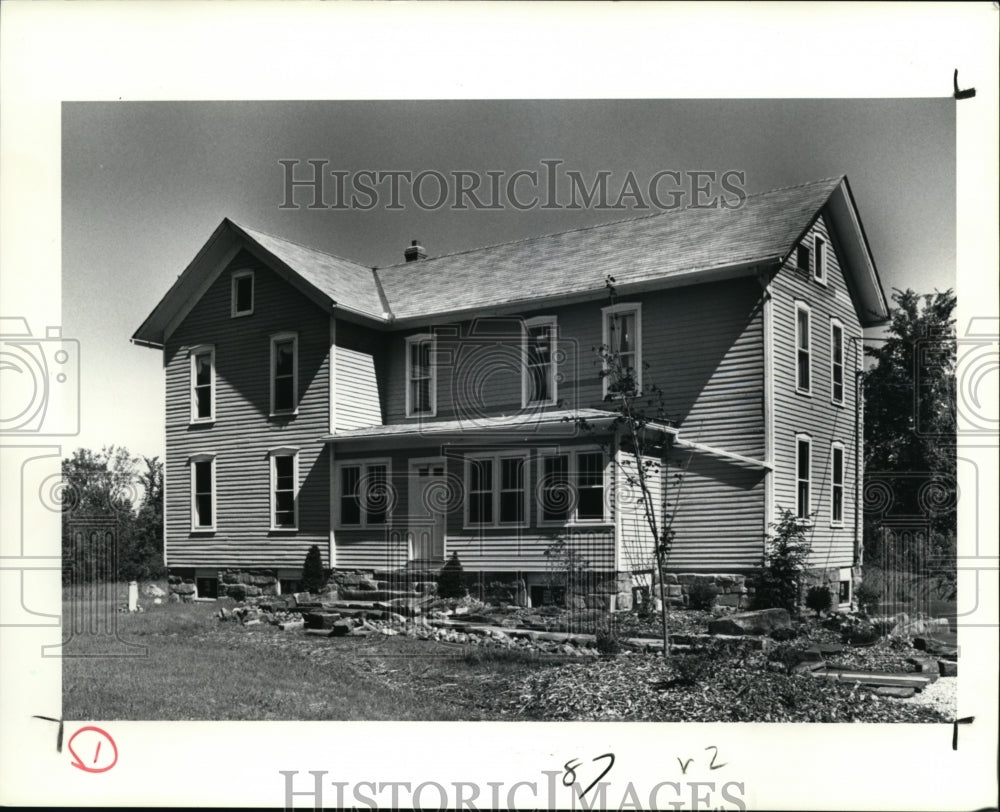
[198,668]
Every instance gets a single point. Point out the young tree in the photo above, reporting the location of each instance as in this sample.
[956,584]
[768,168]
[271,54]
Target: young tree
[640,424]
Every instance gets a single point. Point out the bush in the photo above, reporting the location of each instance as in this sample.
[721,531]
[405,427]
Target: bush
[702,596]
[783,634]
[450,579]
[313,579]
[777,585]
[868,597]
[819,599]
[606,639]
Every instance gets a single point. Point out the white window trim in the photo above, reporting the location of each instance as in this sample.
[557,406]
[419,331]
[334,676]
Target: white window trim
[273,454]
[802,307]
[193,354]
[572,520]
[277,338]
[610,310]
[233,312]
[819,262]
[364,465]
[807,519]
[528,324]
[432,358]
[495,460]
[834,522]
[192,461]
[836,324]
[846,575]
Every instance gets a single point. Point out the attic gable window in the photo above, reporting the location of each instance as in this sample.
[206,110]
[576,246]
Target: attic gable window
[539,378]
[421,376]
[819,261]
[242,294]
[284,373]
[802,258]
[622,338]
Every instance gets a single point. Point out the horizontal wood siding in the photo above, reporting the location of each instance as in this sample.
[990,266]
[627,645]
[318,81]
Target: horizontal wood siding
[814,414]
[636,543]
[242,432]
[357,400]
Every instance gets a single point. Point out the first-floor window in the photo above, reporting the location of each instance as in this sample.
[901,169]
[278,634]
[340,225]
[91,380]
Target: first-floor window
[573,487]
[284,489]
[803,465]
[837,484]
[364,494]
[495,487]
[203,493]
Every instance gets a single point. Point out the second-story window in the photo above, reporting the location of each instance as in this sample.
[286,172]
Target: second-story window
[803,349]
[622,338]
[202,384]
[421,376]
[284,373]
[539,381]
[837,362]
[242,294]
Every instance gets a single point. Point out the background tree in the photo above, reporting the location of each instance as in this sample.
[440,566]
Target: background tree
[110,484]
[910,423]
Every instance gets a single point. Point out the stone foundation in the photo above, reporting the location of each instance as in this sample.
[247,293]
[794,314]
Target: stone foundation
[732,590]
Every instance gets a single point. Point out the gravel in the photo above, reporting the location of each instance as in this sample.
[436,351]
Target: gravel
[941,695]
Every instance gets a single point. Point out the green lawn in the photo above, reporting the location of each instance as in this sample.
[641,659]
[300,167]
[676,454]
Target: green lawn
[198,668]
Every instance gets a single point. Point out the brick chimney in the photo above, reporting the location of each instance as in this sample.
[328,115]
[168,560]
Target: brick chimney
[415,251]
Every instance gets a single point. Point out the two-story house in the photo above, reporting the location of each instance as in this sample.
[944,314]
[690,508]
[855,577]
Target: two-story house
[401,414]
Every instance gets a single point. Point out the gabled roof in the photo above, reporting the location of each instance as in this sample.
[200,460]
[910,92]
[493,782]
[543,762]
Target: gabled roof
[680,246]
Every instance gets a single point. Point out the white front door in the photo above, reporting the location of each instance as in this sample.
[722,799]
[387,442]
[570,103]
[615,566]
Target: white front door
[425,516]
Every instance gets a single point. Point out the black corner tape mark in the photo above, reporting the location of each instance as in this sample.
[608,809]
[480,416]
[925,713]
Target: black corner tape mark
[965,720]
[59,735]
[963,94]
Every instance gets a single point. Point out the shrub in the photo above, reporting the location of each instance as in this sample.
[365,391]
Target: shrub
[702,596]
[783,634]
[868,597]
[777,584]
[606,639]
[450,578]
[312,571]
[819,599]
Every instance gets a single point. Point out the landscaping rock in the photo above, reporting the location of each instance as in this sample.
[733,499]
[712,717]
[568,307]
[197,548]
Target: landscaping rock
[291,625]
[762,621]
[153,591]
[923,664]
[899,693]
[948,668]
[320,620]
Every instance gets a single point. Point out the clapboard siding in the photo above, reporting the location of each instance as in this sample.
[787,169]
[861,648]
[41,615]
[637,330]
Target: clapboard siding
[815,414]
[636,543]
[242,432]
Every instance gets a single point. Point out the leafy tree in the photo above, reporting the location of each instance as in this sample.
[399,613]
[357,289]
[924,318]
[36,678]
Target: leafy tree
[109,485]
[910,423]
[639,423]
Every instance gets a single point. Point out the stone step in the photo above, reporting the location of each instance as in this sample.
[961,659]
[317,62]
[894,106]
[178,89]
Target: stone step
[877,678]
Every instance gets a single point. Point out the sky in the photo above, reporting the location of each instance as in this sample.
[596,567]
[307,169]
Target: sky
[144,184]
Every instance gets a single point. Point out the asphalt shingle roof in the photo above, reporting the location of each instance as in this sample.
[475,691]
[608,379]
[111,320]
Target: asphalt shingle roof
[641,249]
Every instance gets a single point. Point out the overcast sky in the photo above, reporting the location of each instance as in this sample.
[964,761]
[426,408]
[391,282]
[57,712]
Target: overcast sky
[145,184]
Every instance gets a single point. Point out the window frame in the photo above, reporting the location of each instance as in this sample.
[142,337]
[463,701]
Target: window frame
[802,307]
[273,455]
[820,257]
[836,446]
[193,354]
[234,286]
[417,339]
[553,377]
[363,465]
[573,473]
[275,340]
[835,325]
[193,462]
[615,310]
[799,440]
[496,489]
